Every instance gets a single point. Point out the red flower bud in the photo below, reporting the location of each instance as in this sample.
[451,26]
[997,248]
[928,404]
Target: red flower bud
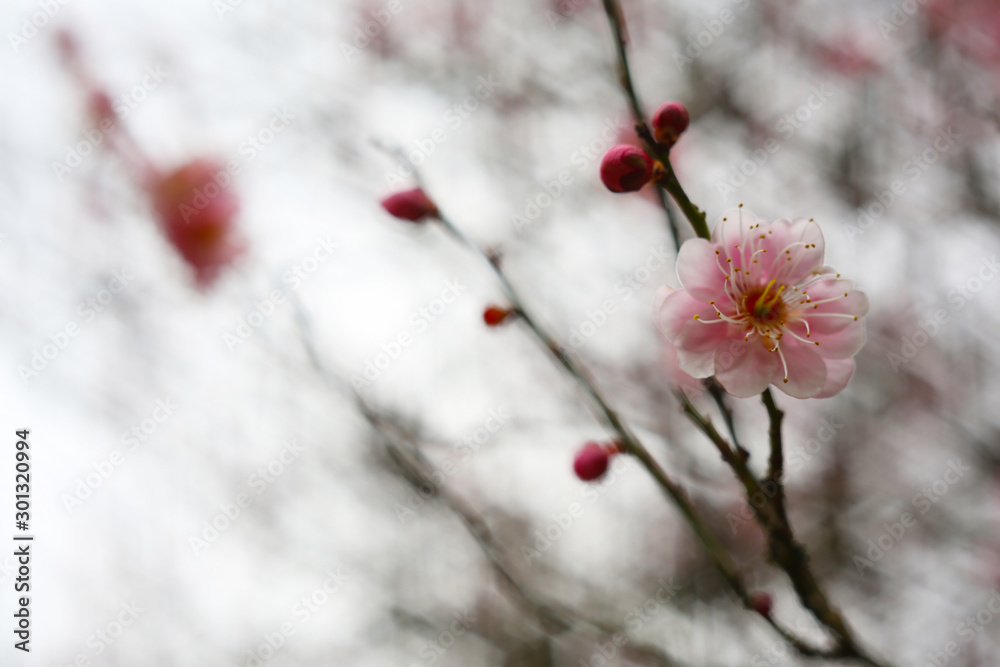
[669,122]
[413,205]
[762,603]
[196,210]
[626,168]
[592,460]
[495,315]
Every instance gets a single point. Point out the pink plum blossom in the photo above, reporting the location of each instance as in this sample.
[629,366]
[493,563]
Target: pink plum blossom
[758,307]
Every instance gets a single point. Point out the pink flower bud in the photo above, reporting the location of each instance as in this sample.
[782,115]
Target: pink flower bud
[592,460]
[762,603]
[669,122]
[196,211]
[413,205]
[626,168]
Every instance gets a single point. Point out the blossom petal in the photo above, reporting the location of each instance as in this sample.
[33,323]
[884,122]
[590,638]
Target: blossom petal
[671,311]
[734,226]
[699,271]
[844,343]
[838,374]
[798,249]
[747,370]
[697,364]
[806,371]
[677,319]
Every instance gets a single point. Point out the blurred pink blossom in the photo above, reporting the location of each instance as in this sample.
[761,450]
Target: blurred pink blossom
[196,211]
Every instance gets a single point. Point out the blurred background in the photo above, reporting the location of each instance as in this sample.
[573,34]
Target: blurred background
[319,455]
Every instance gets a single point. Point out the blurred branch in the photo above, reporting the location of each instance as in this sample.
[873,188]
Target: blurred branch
[400,443]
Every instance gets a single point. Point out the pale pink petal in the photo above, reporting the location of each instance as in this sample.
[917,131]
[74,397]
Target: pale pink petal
[659,297]
[672,310]
[799,249]
[698,364]
[733,227]
[746,368]
[699,271]
[844,343]
[806,371]
[677,322]
[676,376]
[838,374]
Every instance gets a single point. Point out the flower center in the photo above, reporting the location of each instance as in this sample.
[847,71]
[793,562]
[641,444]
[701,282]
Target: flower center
[764,305]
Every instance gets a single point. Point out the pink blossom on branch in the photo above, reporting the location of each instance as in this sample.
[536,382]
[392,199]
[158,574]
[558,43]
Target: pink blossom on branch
[758,307]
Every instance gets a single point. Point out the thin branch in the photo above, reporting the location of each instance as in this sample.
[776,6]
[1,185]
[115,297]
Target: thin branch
[784,549]
[668,179]
[719,396]
[399,443]
[776,465]
[716,552]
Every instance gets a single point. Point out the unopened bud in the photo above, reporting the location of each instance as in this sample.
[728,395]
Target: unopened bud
[592,460]
[626,168]
[495,315]
[669,122]
[413,205]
